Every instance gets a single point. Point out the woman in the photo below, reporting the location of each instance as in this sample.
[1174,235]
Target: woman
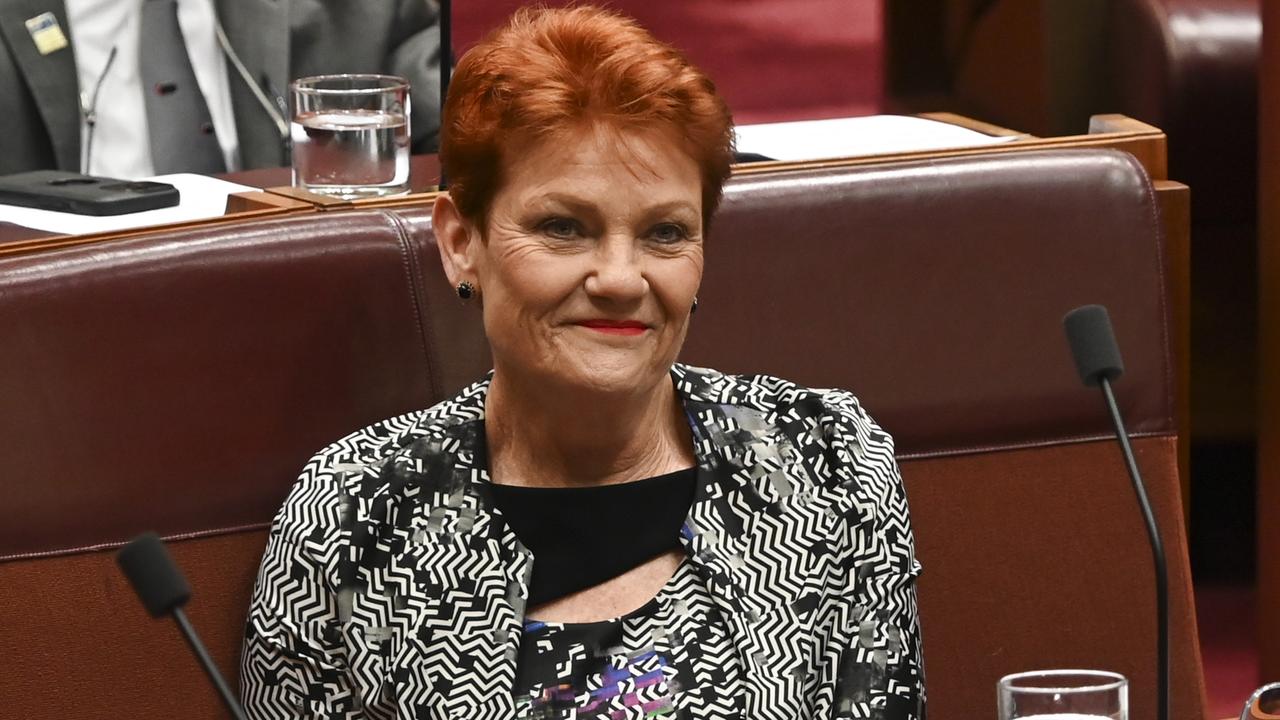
[594,531]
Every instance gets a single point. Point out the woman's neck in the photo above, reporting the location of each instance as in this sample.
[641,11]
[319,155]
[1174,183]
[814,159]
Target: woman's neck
[539,436]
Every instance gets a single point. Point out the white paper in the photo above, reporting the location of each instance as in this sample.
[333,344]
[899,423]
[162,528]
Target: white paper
[200,197]
[851,137]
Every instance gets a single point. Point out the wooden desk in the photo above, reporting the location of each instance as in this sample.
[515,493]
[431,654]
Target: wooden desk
[1117,132]
[424,176]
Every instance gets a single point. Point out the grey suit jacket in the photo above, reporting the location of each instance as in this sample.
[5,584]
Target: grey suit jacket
[278,40]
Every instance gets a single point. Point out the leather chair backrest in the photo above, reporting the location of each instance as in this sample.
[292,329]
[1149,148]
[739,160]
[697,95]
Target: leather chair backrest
[178,382]
[935,291]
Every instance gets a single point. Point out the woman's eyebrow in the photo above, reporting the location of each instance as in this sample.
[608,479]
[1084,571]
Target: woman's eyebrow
[672,206]
[585,208]
[568,202]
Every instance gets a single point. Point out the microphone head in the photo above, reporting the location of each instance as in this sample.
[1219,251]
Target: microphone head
[153,574]
[1093,344]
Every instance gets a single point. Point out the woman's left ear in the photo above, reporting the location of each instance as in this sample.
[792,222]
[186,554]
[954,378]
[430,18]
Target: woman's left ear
[454,239]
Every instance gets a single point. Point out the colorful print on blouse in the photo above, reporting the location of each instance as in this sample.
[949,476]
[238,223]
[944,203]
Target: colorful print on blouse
[653,663]
[391,587]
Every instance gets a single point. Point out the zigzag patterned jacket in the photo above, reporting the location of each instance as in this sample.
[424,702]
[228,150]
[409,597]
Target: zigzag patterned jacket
[391,587]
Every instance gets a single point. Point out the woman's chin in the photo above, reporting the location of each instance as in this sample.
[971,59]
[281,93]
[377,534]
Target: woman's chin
[609,376]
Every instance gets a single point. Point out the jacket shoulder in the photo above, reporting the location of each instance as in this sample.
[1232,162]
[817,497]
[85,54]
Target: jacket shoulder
[777,396]
[842,444]
[341,468]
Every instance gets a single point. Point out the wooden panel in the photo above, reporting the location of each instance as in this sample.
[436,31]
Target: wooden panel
[1145,142]
[263,200]
[1175,213]
[50,242]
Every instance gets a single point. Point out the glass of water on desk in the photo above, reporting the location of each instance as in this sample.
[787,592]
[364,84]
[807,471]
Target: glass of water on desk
[351,135]
[1064,695]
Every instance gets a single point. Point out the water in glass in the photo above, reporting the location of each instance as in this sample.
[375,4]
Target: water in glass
[351,153]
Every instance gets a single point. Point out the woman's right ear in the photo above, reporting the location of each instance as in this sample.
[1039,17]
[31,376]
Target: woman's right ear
[455,238]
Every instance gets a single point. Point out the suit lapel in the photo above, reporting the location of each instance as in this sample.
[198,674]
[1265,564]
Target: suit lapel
[259,32]
[52,78]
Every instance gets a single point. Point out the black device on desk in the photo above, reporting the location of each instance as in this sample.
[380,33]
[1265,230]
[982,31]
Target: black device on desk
[84,194]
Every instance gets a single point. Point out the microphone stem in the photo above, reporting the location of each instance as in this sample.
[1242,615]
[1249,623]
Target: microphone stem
[1157,552]
[197,647]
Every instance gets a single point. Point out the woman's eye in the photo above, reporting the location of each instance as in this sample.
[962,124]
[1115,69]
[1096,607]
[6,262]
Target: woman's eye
[561,228]
[669,233]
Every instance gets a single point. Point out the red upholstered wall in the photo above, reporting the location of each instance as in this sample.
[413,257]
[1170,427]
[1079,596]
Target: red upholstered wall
[772,59]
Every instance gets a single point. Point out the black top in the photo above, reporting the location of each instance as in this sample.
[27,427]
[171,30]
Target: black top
[583,536]
[580,537]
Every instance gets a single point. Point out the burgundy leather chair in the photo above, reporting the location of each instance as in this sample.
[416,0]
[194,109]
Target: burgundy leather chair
[1189,67]
[179,381]
[935,291]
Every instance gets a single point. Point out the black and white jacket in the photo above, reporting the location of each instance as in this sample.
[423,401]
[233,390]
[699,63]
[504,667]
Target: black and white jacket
[391,587]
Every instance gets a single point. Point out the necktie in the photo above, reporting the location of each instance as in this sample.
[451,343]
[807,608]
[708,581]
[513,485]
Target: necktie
[178,120]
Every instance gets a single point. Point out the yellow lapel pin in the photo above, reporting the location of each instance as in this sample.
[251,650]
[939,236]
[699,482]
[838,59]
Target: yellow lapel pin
[46,33]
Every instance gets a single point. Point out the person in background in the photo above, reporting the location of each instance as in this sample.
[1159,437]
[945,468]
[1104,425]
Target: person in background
[594,530]
[132,88]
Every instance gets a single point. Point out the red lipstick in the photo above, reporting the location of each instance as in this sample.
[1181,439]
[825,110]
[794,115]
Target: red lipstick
[615,327]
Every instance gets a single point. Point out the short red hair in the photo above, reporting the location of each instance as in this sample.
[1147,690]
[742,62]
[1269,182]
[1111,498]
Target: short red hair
[551,71]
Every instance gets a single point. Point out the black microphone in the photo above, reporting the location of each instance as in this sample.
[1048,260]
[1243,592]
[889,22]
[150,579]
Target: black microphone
[1093,344]
[163,591]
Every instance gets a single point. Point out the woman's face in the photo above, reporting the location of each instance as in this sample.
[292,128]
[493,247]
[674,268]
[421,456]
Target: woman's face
[592,259]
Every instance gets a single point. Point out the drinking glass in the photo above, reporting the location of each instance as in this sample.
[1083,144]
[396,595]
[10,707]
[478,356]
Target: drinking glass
[351,135]
[1064,695]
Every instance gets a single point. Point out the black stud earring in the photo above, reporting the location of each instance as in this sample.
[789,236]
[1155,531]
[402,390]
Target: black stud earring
[466,290]
[694,309]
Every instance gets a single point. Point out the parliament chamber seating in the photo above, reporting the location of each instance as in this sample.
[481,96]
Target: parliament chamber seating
[1192,68]
[177,381]
[1189,67]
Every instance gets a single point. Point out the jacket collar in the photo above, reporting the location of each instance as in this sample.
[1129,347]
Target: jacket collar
[743,459]
[733,440]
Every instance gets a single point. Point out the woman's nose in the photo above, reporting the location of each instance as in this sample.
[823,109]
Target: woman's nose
[617,274]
